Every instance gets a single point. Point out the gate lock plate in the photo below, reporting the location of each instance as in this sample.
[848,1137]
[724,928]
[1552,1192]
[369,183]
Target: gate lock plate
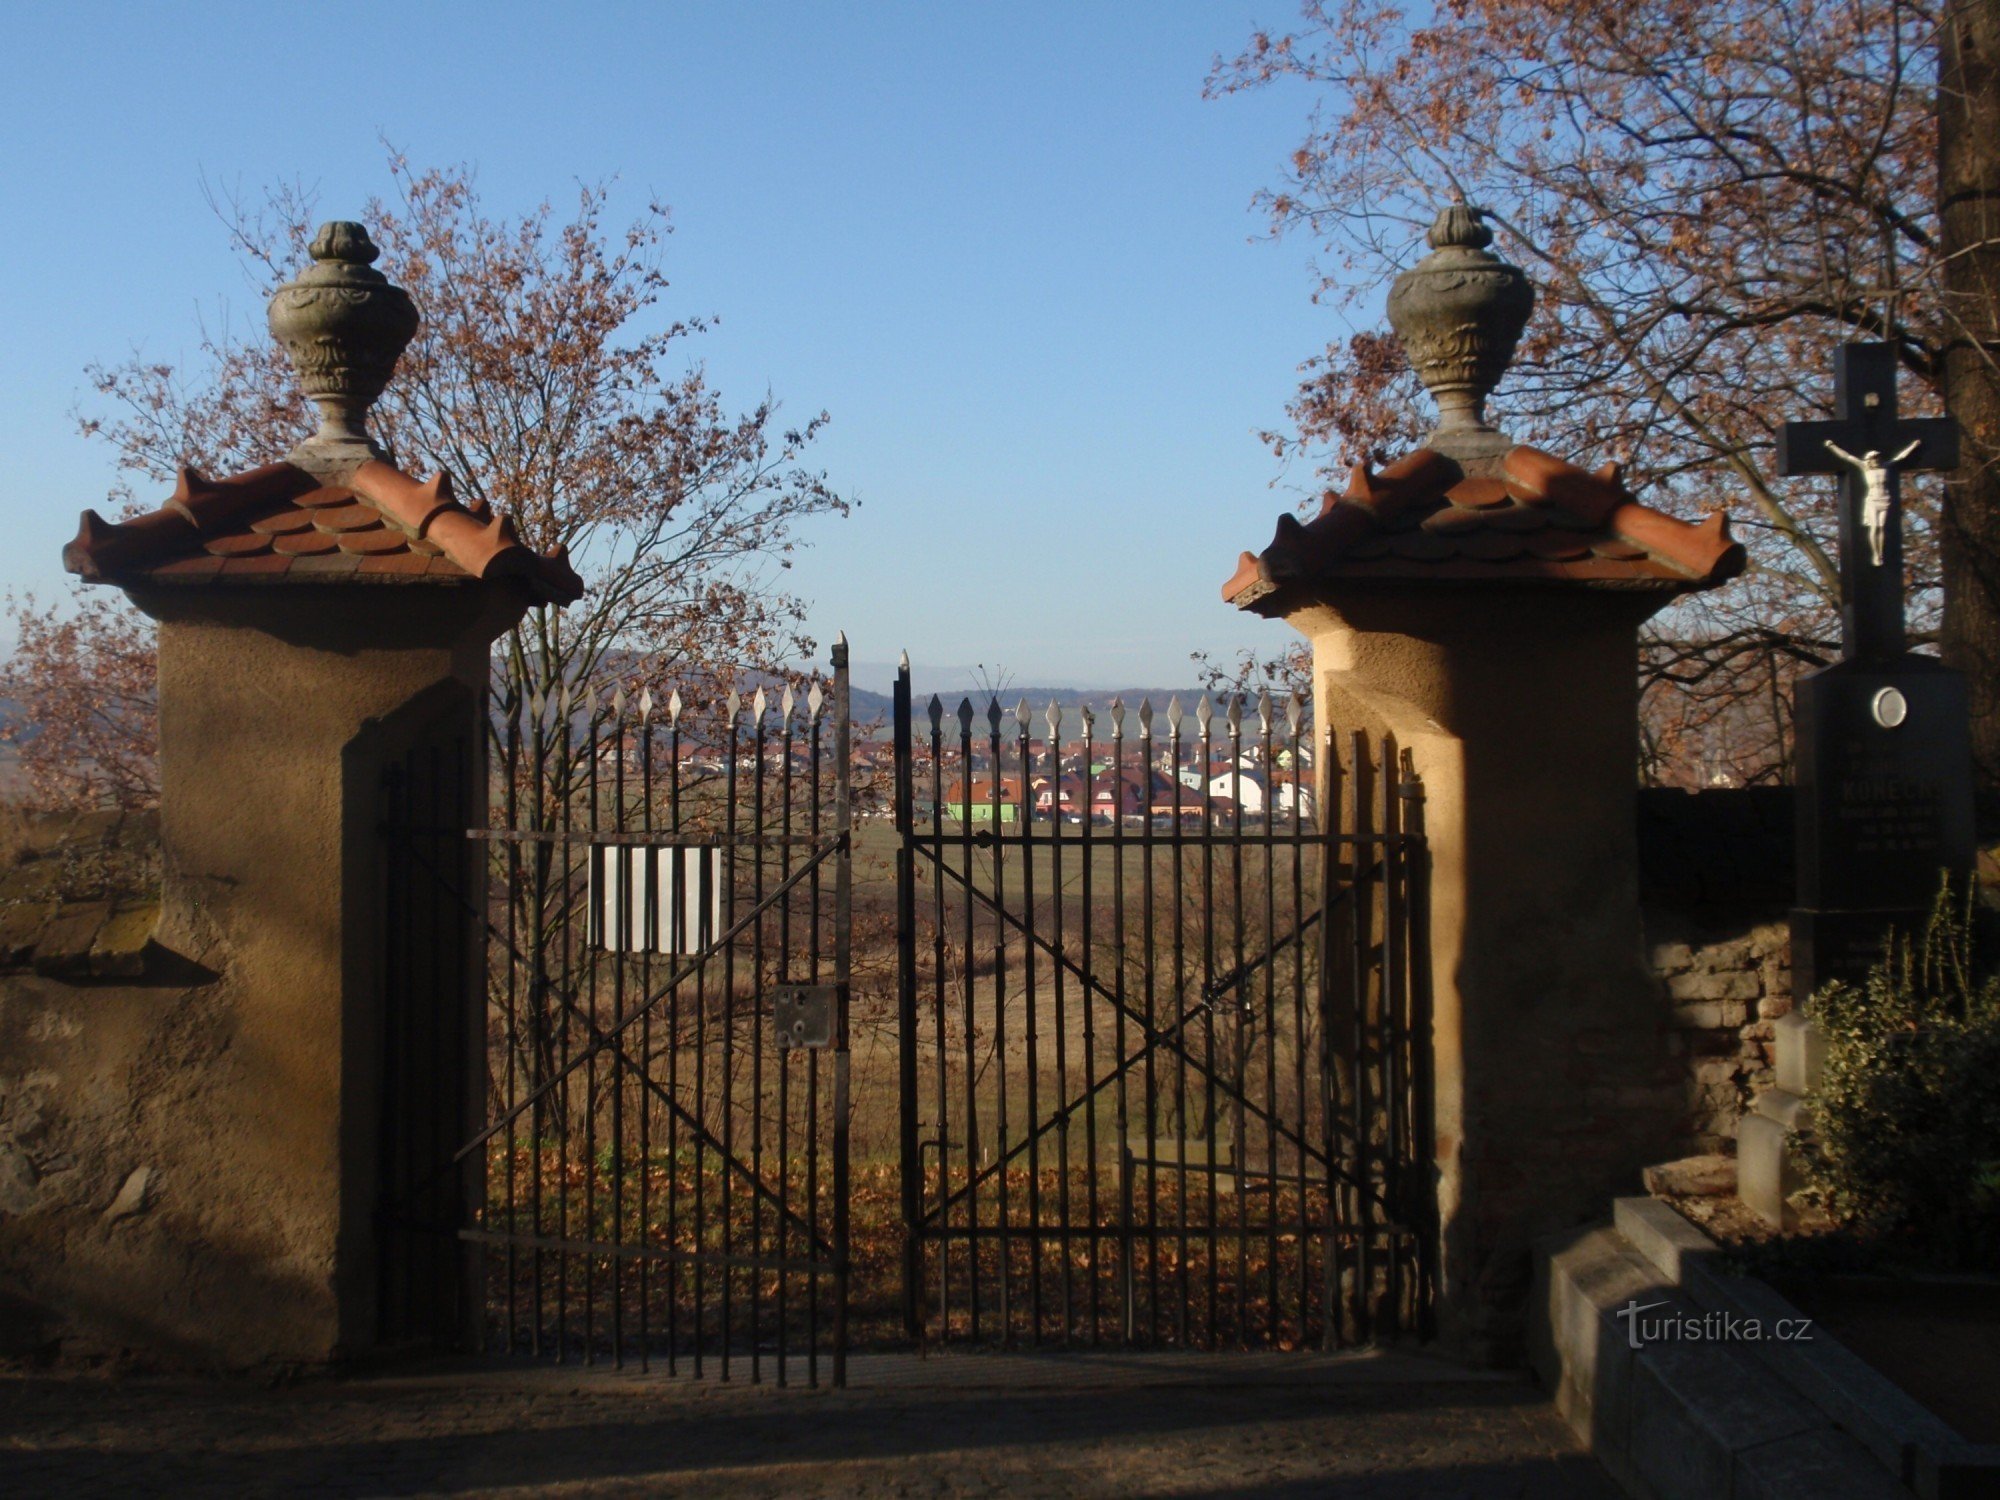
[804,1014]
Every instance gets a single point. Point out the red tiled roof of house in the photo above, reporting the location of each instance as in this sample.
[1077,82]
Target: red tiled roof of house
[281,524]
[1533,519]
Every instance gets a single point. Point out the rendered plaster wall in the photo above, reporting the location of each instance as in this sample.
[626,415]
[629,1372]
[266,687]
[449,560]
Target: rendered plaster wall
[249,1086]
[1552,1077]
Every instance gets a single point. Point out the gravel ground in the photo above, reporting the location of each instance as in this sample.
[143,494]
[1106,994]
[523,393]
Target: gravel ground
[1360,1425]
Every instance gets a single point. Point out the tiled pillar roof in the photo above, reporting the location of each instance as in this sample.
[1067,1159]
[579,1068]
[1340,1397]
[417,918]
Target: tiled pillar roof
[281,524]
[1533,519]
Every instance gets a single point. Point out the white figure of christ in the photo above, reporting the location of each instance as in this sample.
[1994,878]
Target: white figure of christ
[1874,490]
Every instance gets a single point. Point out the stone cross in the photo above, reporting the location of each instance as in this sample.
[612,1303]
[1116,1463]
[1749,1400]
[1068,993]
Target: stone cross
[1869,447]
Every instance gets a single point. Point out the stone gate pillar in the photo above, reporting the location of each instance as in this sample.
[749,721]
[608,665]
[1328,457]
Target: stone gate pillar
[1480,601]
[319,619]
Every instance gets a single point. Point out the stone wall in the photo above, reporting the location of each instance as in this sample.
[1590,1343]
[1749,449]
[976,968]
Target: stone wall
[101,1039]
[1716,882]
[119,1243]
[1725,982]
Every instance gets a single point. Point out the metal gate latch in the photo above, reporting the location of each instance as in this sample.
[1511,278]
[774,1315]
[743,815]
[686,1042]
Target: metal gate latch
[804,1015]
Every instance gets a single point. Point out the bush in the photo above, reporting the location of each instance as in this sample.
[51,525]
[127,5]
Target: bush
[1907,1119]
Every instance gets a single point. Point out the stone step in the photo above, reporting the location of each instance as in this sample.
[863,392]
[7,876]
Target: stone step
[1678,1415]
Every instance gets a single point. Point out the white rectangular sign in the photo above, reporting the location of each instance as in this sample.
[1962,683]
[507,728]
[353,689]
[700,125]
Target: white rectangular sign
[669,899]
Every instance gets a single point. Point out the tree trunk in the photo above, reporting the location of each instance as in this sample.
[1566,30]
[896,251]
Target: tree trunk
[1969,206]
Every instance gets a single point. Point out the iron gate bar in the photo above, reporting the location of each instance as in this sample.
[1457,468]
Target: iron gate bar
[943,1123]
[1071,1106]
[1121,1105]
[1417,912]
[566,814]
[652,872]
[843,960]
[1034,1137]
[1292,722]
[594,866]
[625,1250]
[570,1079]
[1177,835]
[1392,991]
[1200,1007]
[1361,1068]
[785,1073]
[729,1025]
[1089,1031]
[1357,952]
[985,838]
[728,1160]
[1329,1244]
[757,1054]
[1271,790]
[607,1041]
[999,1002]
[609,836]
[971,1095]
[620,1026]
[1217,987]
[909,1152]
[512,809]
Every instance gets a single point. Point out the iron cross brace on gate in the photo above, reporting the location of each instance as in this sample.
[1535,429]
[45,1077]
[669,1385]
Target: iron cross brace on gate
[1869,447]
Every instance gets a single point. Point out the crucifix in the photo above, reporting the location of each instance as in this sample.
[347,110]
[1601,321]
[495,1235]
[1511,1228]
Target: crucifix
[1869,447]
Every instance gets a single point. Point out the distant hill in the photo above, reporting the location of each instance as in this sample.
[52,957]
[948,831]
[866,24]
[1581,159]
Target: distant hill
[871,709]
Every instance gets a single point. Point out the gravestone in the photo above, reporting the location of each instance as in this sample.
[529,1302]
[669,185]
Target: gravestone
[1884,749]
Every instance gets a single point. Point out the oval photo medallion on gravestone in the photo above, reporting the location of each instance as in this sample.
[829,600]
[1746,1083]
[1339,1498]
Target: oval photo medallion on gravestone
[1890,708]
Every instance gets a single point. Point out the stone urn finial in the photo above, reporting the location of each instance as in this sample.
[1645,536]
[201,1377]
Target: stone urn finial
[1459,313]
[344,326]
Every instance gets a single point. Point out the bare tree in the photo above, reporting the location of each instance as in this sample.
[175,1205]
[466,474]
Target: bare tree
[547,382]
[84,721]
[1969,246]
[1710,194]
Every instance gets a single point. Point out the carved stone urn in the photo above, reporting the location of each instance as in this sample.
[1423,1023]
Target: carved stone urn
[1459,313]
[344,326]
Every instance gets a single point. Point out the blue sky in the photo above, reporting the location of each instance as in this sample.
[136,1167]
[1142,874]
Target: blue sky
[1008,248]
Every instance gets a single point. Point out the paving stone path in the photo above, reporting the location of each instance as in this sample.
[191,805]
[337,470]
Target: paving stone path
[1363,1426]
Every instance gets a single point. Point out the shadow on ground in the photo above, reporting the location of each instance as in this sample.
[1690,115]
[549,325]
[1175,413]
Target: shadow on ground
[966,1427]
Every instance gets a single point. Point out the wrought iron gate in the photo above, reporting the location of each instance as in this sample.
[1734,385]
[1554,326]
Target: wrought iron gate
[1155,1034]
[624,1135]
[1158,1013]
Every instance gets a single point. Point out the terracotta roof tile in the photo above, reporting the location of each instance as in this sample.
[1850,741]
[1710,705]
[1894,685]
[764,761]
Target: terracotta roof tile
[1489,545]
[236,546]
[376,539]
[1518,518]
[194,569]
[267,566]
[284,520]
[347,517]
[1559,546]
[325,563]
[1618,550]
[303,543]
[397,564]
[1534,518]
[279,522]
